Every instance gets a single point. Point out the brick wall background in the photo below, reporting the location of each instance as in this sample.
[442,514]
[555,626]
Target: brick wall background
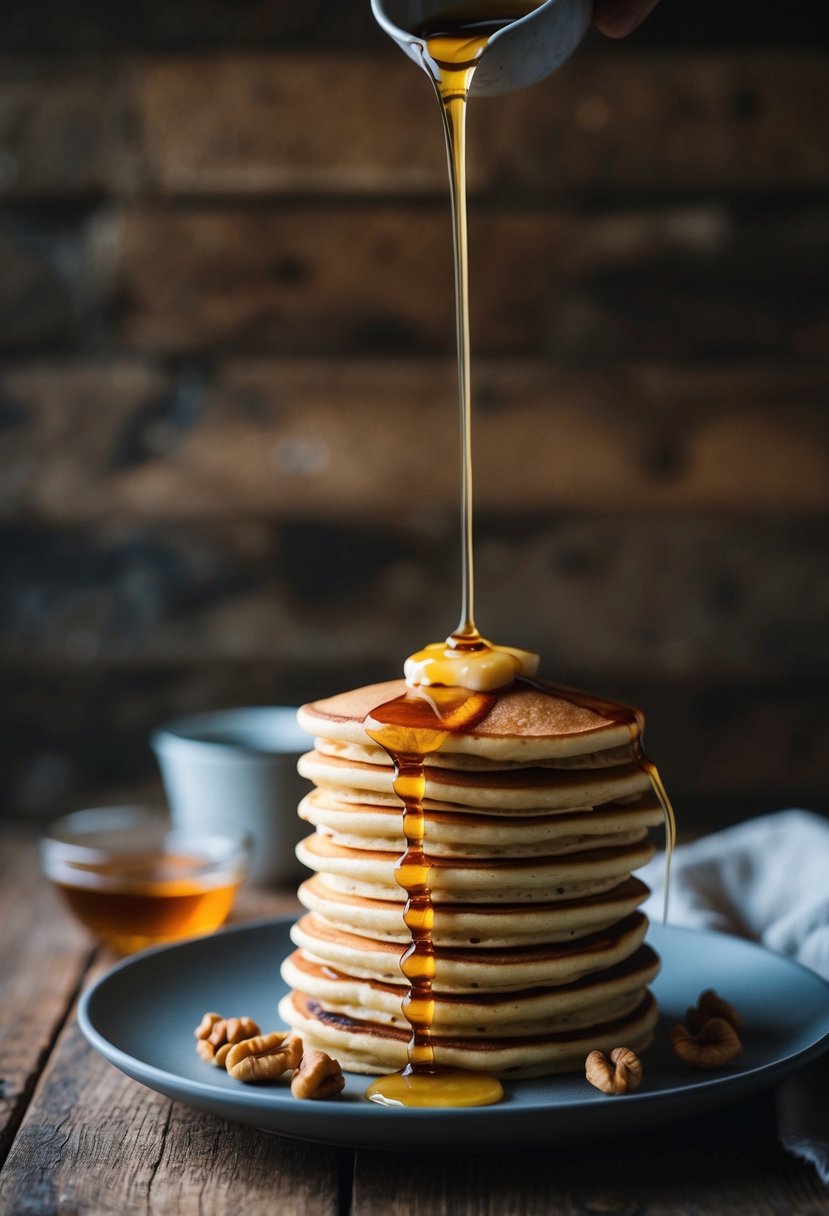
[227,404]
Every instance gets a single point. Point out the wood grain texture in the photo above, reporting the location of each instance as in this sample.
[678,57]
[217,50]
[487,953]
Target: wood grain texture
[706,281]
[308,122]
[47,297]
[67,128]
[225,320]
[728,1162]
[675,595]
[305,122]
[709,281]
[91,1140]
[49,26]
[300,439]
[43,955]
[95,1142]
[210,23]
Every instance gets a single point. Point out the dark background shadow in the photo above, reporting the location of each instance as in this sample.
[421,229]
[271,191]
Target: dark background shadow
[228,457]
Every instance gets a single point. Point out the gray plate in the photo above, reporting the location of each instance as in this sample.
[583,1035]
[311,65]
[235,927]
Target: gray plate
[141,1015]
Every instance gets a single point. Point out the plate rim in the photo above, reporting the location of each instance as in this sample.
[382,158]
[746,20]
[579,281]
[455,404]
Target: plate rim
[706,1090]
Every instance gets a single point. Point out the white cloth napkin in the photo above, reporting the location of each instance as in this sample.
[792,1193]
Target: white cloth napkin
[767,880]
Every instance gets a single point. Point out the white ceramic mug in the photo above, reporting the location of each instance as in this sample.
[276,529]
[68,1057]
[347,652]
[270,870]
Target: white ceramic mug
[237,767]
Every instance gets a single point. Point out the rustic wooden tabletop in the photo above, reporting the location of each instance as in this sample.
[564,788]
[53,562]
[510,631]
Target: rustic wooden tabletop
[77,1137]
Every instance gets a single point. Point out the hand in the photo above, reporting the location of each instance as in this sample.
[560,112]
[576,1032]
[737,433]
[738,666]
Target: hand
[618,18]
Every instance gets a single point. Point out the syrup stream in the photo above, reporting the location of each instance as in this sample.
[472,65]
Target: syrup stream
[450,62]
[413,726]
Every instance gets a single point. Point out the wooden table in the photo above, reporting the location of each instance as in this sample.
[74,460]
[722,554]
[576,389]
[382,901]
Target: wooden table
[77,1137]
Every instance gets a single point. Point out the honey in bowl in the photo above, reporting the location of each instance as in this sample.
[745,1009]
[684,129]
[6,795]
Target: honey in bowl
[135,882]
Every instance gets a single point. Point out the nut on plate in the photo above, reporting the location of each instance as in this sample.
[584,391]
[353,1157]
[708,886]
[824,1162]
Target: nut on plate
[711,1005]
[620,1074]
[216,1035]
[205,1026]
[232,1030]
[716,1044]
[318,1076]
[206,1050]
[265,1057]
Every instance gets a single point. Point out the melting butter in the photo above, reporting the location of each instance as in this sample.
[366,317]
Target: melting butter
[480,666]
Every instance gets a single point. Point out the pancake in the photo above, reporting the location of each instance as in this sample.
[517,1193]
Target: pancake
[461,833]
[368,1047]
[375,755]
[477,880]
[584,1002]
[534,821]
[486,968]
[527,723]
[521,788]
[475,924]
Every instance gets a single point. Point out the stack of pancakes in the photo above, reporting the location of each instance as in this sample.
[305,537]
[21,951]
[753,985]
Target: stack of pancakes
[535,820]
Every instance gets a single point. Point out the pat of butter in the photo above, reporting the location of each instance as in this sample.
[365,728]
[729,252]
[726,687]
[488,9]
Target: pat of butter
[482,668]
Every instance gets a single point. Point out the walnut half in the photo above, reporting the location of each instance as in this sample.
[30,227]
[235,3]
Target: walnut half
[621,1074]
[205,1026]
[265,1057]
[711,1005]
[716,1044]
[318,1076]
[216,1035]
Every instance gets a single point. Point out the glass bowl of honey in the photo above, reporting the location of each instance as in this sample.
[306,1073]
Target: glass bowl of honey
[134,880]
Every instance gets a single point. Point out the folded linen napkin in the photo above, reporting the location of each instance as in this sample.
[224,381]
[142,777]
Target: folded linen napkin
[768,880]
